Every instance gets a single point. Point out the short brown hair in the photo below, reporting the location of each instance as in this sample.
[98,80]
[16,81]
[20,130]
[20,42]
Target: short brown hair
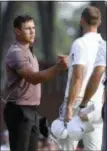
[21,19]
[91,15]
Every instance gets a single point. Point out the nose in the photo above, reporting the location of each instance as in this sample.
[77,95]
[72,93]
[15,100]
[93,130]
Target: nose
[32,31]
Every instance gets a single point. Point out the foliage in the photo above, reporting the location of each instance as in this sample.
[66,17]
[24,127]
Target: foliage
[66,28]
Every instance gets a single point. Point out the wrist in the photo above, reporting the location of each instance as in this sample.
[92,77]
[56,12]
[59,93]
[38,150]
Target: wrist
[69,106]
[82,106]
[58,67]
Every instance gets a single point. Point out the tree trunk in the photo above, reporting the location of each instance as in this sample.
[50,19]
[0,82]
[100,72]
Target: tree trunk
[46,12]
[6,38]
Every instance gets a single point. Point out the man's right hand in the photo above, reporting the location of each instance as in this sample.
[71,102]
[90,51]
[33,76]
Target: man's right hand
[62,61]
[69,113]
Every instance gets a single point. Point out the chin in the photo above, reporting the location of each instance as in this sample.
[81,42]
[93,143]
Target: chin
[31,41]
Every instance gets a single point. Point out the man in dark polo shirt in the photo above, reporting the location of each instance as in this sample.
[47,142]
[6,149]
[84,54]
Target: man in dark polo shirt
[23,89]
[100,67]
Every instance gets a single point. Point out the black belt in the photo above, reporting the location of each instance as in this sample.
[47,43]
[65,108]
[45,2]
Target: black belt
[33,107]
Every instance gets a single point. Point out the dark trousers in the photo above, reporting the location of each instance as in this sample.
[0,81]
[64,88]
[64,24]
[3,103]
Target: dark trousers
[23,126]
[104,139]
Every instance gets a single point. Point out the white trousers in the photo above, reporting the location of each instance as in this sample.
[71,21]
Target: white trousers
[92,140]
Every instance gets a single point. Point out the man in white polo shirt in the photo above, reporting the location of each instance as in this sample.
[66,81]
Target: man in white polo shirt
[92,86]
[81,64]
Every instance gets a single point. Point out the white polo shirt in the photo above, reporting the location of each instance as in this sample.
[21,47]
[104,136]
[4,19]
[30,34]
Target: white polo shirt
[84,51]
[101,55]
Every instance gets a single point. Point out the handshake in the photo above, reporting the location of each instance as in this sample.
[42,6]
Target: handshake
[62,62]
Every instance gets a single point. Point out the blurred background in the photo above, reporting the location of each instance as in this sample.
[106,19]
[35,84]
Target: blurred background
[57,26]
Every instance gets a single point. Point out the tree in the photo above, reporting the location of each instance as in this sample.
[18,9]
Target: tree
[103,8]
[46,11]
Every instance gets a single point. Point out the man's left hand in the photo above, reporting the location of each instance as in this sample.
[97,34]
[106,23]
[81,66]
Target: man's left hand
[82,116]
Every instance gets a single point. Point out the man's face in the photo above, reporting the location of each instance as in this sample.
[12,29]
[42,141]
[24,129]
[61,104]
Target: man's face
[27,32]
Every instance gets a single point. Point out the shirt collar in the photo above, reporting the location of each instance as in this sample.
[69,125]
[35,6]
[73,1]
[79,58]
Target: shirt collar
[22,46]
[95,34]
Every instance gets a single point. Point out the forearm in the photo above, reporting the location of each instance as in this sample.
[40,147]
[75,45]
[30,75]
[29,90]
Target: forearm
[89,93]
[76,83]
[92,85]
[47,74]
[33,77]
[74,91]
[43,76]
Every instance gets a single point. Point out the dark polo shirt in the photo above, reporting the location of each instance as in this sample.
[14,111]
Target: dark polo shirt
[18,90]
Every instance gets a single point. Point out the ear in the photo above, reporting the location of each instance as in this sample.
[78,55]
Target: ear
[99,23]
[82,21]
[17,31]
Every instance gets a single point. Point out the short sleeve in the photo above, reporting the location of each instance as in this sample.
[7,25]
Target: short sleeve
[17,60]
[101,55]
[77,54]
